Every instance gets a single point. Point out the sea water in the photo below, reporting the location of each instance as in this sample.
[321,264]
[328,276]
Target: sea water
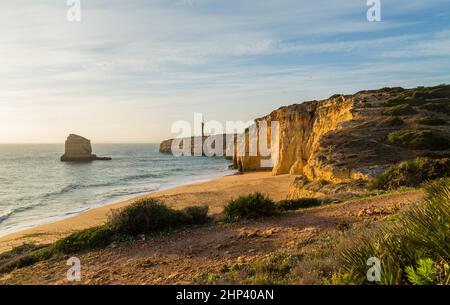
[37,188]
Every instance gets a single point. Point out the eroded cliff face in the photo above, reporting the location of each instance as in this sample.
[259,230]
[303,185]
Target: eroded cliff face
[346,138]
[300,129]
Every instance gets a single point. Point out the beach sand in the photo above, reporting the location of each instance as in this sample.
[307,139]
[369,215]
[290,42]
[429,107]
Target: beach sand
[215,193]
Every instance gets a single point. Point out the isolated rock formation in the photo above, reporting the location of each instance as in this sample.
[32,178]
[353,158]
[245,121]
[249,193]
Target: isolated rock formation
[78,148]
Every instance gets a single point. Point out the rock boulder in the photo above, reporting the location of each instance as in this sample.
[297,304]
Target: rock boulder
[78,148]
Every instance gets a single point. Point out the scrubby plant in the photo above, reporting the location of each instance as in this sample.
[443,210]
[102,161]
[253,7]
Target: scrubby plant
[141,217]
[85,239]
[393,102]
[420,235]
[150,215]
[431,121]
[295,204]
[424,274]
[419,139]
[392,122]
[402,109]
[437,107]
[412,173]
[195,215]
[249,207]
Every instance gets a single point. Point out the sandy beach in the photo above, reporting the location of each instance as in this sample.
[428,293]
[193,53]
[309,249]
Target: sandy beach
[215,193]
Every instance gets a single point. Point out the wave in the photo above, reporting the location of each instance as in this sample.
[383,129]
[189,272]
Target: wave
[14,211]
[75,186]
[142,176]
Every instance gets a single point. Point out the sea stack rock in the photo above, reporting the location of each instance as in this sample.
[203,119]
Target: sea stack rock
[79,149]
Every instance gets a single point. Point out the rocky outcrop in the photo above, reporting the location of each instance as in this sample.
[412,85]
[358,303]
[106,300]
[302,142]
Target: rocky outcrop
[78,148]
[301,128]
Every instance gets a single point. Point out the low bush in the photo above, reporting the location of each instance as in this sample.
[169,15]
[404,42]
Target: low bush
[419,139]
[413,250]
[143,216]
[28,259]
[249,207]
[295,204]
[431,121]
[436,107]
[392,122]
[149,215]
[412,101]
[403,109]
[195,215]
[85,239]
[393,102]
[412,173]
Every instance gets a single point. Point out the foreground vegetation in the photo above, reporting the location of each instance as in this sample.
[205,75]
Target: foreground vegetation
[412,173]
[145,216]
[419,139]
[413,247]
[414,250]
[258,205]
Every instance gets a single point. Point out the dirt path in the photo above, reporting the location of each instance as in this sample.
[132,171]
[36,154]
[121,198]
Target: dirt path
[178,257]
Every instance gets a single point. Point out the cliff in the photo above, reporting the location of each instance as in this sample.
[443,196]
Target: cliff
[345,138]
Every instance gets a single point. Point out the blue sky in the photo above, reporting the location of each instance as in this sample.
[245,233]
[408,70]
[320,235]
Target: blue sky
[129,69]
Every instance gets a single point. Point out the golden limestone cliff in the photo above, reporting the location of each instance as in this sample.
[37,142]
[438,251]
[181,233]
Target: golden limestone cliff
[349,138]
[300,128]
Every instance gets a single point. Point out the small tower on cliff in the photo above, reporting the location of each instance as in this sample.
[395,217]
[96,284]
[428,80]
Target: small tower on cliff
[203,128]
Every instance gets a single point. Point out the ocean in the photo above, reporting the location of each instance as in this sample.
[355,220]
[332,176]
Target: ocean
[37,188]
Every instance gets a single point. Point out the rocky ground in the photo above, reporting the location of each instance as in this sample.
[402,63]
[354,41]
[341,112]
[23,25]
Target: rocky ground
[195,255]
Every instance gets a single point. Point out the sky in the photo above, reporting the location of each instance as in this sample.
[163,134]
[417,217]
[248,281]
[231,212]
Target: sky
[129,69]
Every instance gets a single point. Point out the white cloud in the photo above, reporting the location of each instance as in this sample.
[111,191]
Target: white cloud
[173,56]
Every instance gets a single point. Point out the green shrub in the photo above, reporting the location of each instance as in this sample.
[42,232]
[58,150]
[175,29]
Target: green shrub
[403,109]
[295,204]
[28,259]
[424,274]
[419,139]
[249,207]
[195,215]
[431,121]
[143,216]
[420,235]
[441,91]
[149,215]
[412,101]
[412,173]
[85,239]
[393,102]
[436,107]
[392,122]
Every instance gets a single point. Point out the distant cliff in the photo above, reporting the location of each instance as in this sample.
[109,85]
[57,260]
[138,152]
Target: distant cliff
[166,145]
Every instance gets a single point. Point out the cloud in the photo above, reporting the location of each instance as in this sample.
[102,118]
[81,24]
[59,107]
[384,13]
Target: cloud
[175,56]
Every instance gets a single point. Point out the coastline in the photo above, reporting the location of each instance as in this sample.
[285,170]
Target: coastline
[215,193]
[114,199]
